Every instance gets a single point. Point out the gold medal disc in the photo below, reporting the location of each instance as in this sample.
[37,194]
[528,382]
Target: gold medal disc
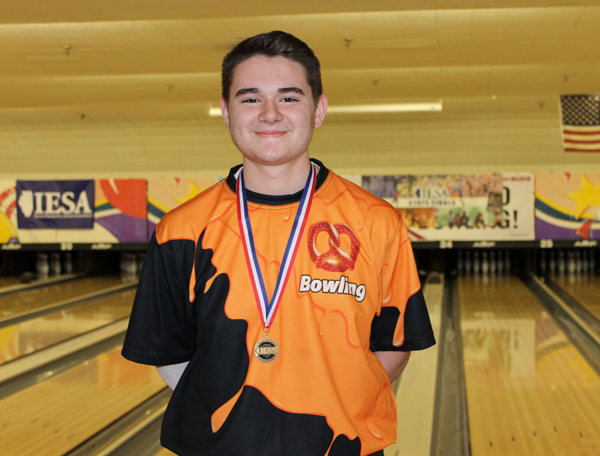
[266,350]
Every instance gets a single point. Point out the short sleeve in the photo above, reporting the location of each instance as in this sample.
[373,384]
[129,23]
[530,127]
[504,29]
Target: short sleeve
[403,323]
[162,327]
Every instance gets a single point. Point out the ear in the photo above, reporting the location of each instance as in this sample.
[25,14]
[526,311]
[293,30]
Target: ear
[320,111]
[225,112]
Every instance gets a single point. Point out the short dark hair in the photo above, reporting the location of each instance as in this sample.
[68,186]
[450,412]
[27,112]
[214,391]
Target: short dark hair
[273,44]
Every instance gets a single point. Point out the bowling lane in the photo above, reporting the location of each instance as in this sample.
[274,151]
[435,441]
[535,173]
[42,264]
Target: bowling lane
[24,301]
[56,415]
[584,288]
[38,333]
[529,391]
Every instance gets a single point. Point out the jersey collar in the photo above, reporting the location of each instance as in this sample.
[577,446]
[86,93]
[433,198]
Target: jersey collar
[276,200]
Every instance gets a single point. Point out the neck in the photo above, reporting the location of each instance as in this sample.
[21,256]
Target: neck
[285,179]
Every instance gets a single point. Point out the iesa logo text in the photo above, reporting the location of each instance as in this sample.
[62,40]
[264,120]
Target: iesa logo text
[54,204]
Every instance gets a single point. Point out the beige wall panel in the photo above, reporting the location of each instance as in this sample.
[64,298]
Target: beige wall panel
[424,143]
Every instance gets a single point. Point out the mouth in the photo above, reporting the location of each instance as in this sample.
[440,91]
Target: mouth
[270,134]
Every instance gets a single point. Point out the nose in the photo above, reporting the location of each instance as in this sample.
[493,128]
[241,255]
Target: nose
[270,112]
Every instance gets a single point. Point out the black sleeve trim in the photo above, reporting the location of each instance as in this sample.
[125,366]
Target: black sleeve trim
[141,358]
[418,333]
[162,327]
[415,345]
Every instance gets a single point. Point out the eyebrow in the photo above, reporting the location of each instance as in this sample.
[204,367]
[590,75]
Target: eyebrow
[297,90]
[241,92]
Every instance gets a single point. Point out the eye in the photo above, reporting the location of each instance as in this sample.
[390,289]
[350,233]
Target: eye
[289,99]
[250,100]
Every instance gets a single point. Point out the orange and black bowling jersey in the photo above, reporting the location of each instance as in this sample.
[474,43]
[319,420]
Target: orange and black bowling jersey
[353,290]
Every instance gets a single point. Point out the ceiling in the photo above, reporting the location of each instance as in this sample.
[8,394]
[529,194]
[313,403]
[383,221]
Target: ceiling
[122,87]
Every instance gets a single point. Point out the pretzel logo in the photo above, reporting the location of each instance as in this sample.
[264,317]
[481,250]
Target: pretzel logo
[335,259]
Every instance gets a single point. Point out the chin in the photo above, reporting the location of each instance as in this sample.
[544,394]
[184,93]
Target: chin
[272,159]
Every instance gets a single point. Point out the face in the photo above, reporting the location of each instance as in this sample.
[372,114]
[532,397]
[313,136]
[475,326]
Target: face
[271,113]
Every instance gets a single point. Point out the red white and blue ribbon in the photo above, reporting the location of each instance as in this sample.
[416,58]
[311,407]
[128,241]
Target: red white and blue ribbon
[267,310]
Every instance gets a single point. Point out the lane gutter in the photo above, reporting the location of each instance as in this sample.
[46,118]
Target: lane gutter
[46,363]
[450,433]
[581,334]
[55,352]
[114,438]
[590,319]
[40,283]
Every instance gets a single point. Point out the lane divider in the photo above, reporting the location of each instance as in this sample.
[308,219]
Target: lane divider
[30,362]
[38,311]
[574,316]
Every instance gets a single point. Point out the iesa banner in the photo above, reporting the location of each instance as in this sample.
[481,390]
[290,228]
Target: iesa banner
[469,207]
[55,204]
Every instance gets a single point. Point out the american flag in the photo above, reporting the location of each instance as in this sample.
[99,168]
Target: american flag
[580,123]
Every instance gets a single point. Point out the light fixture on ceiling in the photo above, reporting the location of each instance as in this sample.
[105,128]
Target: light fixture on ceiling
[385,107]
[215,111]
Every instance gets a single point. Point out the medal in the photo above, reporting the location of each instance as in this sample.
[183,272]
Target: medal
[266,350]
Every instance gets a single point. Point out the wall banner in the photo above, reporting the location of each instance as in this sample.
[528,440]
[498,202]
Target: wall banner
[168,193]
[121,209]
[8,212]
[55,204]
[470,207]
[567,206]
